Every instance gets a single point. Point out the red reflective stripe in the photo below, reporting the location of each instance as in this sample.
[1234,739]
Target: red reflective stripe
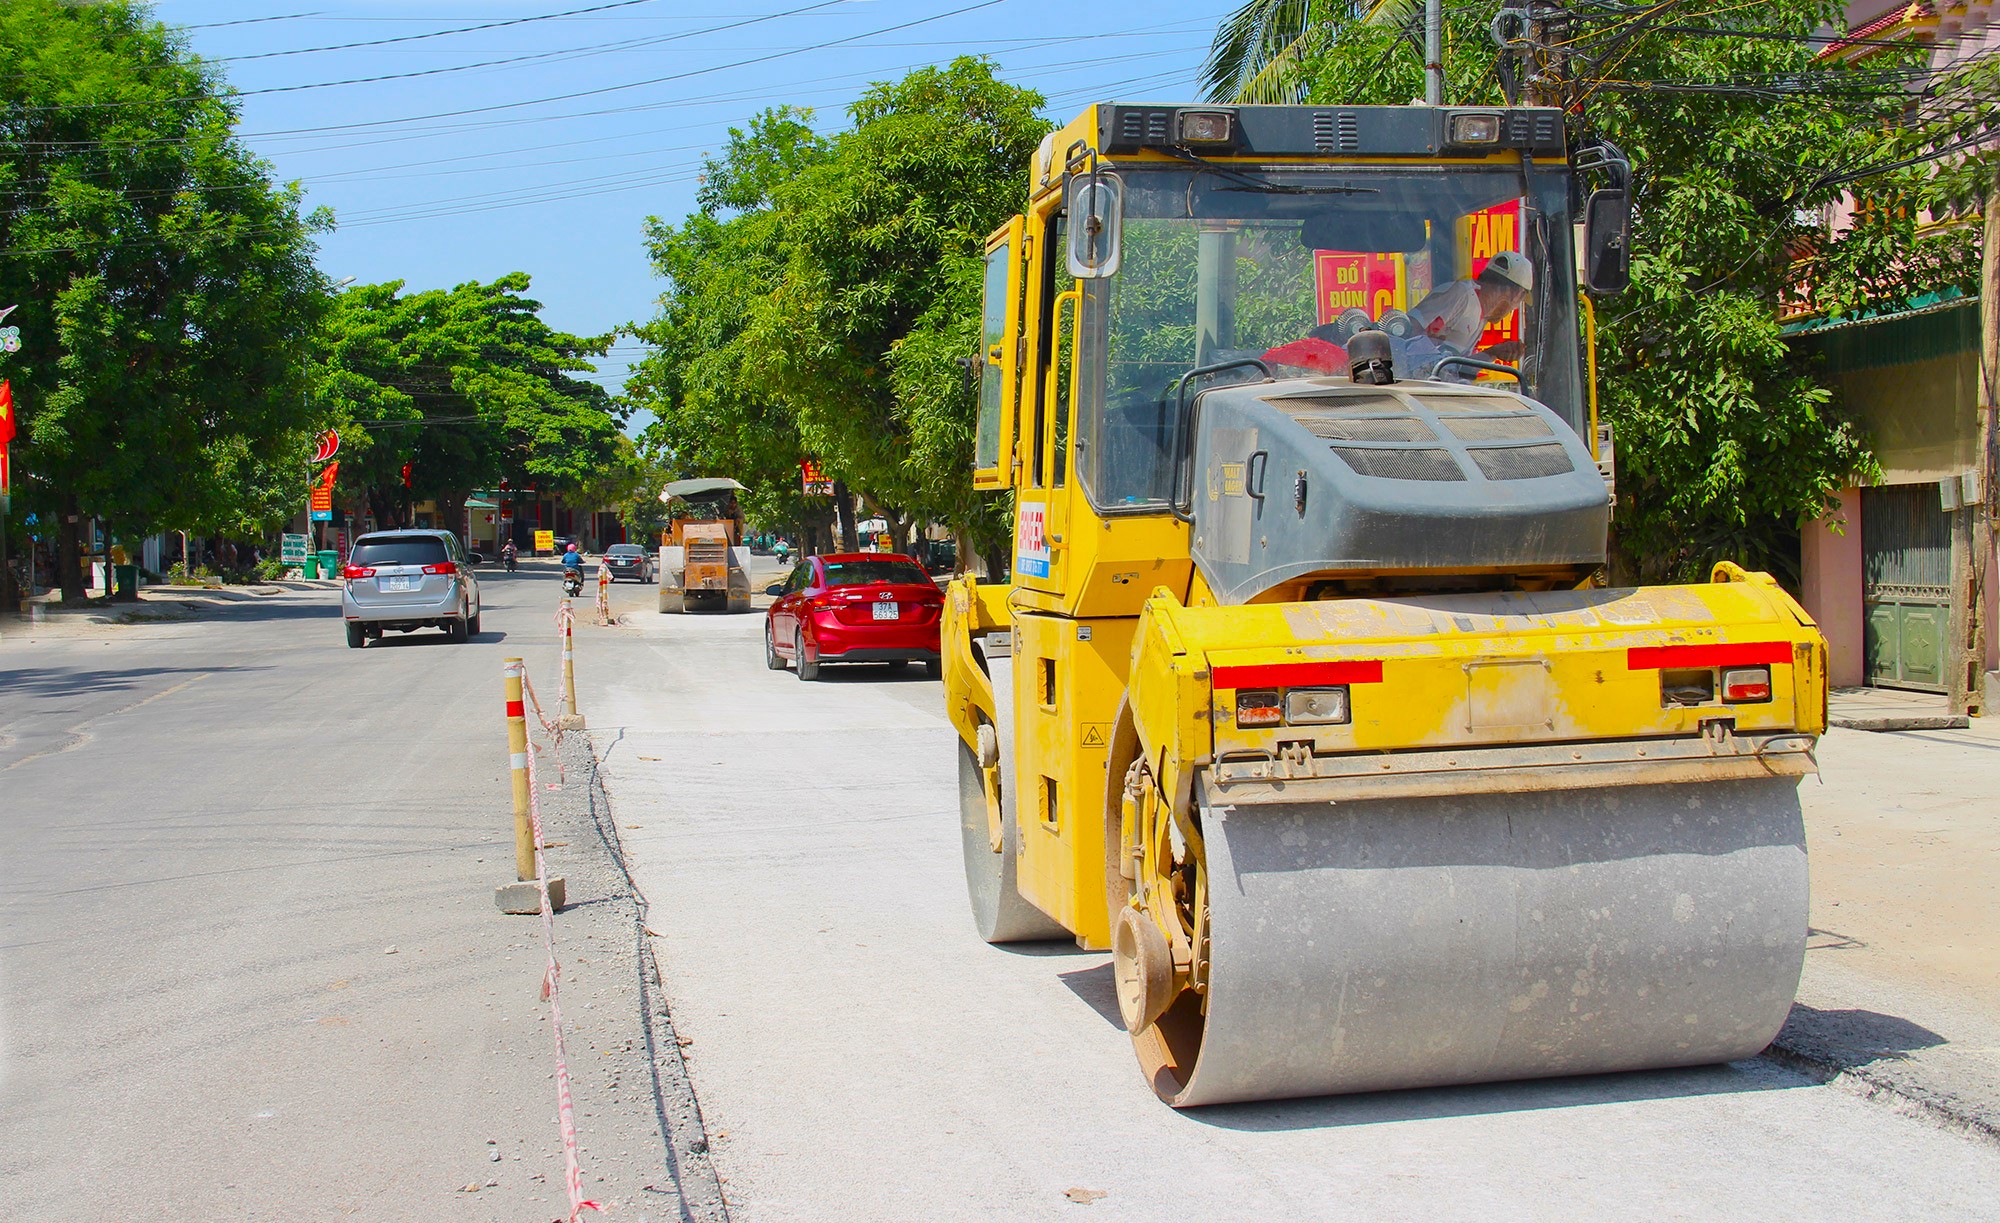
[1300,674]
[516,710]
[1725,654]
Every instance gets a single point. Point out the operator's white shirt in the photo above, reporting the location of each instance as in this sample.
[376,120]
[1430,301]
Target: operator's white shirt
[1451,316]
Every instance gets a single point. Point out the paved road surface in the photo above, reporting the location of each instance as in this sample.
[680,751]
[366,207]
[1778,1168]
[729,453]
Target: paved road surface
[860,1055]
[213,834]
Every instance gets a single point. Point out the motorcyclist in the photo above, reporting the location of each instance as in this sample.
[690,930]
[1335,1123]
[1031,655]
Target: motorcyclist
[507,553]
[572,565]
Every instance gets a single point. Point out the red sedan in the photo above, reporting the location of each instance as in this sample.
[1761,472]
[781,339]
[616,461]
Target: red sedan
[854,607]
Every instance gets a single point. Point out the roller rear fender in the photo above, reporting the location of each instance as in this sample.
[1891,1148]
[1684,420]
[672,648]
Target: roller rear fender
[1808,657]
[1168,694]
[673,561]
[968,689]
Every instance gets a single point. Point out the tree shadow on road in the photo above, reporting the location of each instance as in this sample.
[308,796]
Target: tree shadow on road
[66,681]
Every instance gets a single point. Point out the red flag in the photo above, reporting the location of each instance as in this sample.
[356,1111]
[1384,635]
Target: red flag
[406,475]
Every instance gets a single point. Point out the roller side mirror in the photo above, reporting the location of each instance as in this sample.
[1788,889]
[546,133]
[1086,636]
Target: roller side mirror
[1607,245]
[1095,202]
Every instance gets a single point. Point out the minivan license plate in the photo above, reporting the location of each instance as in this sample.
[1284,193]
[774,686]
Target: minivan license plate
[885,611]
[399,583]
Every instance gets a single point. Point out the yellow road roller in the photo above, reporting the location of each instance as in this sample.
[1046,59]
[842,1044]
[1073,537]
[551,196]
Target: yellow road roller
[1302,697]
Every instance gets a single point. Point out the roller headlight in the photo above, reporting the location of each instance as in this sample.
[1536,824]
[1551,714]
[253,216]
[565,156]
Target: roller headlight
[1316,706]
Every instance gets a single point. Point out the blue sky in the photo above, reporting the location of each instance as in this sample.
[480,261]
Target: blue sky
[561,188]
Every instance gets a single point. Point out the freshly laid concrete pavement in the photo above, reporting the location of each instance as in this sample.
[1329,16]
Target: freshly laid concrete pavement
[250,966]
[1902,980]
[250,969]
[860,1055]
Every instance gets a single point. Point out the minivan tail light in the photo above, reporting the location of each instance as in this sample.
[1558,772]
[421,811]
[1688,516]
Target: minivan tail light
[1746,685]
[442,567]
[357,571]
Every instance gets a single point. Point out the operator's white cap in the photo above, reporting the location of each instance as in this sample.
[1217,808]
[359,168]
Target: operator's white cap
[1512,267]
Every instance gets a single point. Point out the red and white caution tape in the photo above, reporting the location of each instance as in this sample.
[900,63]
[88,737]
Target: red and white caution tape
[554,730]
[551,979]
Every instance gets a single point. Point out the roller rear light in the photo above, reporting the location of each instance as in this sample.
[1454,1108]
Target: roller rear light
[1746,685]
[1260,707]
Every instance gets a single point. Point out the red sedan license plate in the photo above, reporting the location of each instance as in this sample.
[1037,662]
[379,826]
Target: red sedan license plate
[885,611]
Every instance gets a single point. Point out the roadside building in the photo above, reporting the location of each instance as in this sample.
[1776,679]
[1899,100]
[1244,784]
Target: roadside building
[1878,572]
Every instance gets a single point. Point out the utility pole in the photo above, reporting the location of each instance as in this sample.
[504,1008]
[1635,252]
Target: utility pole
[1973,525]
[1434,52]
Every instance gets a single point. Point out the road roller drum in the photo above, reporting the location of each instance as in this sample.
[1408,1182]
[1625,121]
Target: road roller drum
[1419,942]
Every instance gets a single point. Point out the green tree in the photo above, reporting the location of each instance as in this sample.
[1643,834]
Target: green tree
[820,301]
[165,284]
[468,387]
[885,237]
[1726,438]
[713,414]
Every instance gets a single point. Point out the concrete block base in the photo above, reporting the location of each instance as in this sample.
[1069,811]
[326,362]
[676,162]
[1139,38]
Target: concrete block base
[524,897]
[570,721]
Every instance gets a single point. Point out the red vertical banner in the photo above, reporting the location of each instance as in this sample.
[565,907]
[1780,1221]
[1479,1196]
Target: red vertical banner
[7,430]
[1482,235]
[322,492]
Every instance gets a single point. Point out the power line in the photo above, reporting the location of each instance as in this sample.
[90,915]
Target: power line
[217,25]
[574,52]
[469,29]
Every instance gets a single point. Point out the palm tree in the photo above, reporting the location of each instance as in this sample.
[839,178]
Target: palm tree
[1260,50]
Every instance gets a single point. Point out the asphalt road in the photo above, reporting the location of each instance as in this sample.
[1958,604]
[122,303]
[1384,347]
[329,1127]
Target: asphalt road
[859,1054]
[250,967]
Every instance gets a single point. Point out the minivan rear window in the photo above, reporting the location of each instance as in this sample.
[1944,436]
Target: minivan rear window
[861,573]
[399,550]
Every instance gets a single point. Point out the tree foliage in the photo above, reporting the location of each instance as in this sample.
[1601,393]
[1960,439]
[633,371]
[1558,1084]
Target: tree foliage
[1727,439]
[821,298]
[164,282]
[469,387]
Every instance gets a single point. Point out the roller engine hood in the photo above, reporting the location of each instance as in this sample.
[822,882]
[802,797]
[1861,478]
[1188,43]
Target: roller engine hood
[1322,475]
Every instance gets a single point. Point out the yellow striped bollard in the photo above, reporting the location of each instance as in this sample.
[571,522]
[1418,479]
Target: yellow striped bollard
[569,718]
[524,894]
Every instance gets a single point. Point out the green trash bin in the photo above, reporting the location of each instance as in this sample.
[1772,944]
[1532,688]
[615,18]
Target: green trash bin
[310,566]
[128,583]
[329,563]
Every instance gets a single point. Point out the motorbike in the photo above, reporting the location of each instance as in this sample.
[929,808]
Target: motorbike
[509,557]
[572,582]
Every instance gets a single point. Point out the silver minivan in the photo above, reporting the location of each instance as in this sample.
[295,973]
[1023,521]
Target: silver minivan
[407,580]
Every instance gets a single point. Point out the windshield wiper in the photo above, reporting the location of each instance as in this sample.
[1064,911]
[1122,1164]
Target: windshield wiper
[1249,182]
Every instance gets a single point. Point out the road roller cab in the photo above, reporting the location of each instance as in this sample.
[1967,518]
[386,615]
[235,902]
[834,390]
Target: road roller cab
[1300,697]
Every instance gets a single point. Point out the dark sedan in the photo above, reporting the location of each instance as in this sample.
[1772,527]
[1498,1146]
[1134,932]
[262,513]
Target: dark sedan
[629,561]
